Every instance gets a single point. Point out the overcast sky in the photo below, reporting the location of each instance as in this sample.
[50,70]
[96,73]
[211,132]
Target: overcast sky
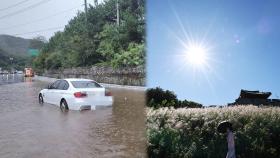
[48,14]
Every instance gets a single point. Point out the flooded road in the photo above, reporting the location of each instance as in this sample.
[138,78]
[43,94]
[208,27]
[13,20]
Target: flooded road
[31,130]
[10,78]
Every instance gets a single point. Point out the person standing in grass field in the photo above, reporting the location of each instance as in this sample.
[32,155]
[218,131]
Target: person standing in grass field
[226,127]
[231,145]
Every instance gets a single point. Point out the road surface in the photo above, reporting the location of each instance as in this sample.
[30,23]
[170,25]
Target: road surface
[31,130]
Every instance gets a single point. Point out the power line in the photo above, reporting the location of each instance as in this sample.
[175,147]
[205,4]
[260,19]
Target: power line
[14,5]
[37,20]
[25,9]
[48,29]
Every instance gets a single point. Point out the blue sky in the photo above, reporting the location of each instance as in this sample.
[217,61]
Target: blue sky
[242,40]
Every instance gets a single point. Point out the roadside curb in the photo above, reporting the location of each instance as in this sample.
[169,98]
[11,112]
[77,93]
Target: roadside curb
[107,85]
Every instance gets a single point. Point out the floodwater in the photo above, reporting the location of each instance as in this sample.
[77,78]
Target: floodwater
[10,78]
[31,130]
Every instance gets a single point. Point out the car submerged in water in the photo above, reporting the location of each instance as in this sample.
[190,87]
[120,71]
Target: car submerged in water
[76,94]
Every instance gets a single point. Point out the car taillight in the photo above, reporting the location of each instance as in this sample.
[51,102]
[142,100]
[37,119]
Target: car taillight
[108,93]
[80,94]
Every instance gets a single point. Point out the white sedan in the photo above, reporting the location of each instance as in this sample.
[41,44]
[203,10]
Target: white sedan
[76,94]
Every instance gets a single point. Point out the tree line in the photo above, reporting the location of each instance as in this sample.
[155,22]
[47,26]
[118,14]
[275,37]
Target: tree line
[96,39]
[8,61]
[157,98]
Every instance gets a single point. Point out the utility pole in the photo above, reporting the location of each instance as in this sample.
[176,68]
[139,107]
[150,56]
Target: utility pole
[118,14]
[86,10]
[11,59]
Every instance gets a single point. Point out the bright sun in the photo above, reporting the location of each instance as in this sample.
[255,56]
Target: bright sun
[196,55]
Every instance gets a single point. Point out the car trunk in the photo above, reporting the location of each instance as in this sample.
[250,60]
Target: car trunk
[95,96]
[93,92]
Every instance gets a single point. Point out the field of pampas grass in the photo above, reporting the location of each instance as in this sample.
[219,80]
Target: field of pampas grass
[189,132]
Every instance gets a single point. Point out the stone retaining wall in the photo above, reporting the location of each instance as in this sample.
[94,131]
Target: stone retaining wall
[122,76]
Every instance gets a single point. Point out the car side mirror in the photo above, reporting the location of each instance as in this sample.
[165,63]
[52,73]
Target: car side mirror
[49,86]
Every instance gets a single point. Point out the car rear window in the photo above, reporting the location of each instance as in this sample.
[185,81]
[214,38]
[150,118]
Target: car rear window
[85,84]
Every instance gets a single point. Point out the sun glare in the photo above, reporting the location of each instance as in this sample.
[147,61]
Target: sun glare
[196,55]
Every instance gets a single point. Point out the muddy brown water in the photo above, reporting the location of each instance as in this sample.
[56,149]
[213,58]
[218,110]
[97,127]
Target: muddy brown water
[31,130]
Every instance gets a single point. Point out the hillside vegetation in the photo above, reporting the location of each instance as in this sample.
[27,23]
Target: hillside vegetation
[17,49]
[15,46]
[157,97]
[99,41]
[183,133]
[18,62]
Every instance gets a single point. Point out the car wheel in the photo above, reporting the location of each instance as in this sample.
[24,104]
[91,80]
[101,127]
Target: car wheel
[41,99]
[64,105]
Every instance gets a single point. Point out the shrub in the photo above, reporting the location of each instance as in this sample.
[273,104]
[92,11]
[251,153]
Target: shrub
[192,132]
[190,104]
[157,97]
[133,56]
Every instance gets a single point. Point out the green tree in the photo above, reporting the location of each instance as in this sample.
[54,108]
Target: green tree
[99,41]
[157,97]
